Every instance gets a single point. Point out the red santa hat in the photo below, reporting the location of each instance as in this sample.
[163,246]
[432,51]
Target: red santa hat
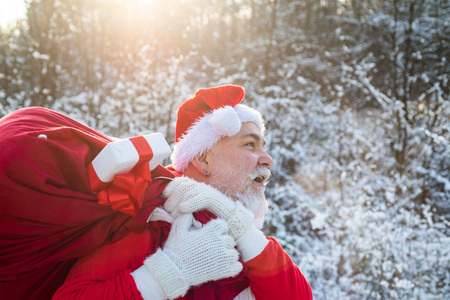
[210,115]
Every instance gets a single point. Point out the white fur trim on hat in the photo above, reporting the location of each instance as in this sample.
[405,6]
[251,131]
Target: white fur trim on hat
[211,128]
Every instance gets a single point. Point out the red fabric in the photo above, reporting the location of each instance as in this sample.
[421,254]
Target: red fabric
[105,274]
[204,101]
[273,275]
[143,148]
[48,214]
[126,192]
[95,182]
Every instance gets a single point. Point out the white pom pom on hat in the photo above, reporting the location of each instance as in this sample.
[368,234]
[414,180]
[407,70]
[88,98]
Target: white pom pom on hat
[225,121]
[206,118]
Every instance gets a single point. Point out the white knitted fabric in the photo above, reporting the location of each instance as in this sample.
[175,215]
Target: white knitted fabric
[193,256]
[188,196]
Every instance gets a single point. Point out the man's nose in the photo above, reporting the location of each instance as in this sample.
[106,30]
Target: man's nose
[265,160]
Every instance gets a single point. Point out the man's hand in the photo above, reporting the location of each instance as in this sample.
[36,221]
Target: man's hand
[187,196]
[192,256]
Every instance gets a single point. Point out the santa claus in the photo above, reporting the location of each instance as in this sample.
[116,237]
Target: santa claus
[193,232]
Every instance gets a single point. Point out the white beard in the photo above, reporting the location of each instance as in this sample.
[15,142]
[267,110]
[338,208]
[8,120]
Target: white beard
[253,198]
[257,204]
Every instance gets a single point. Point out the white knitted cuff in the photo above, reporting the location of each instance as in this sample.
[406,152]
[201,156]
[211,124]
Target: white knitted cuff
[240,221]
[170,278]
[147,284]
[251,244]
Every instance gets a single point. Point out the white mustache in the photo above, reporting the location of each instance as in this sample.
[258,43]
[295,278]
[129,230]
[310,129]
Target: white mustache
[261,171]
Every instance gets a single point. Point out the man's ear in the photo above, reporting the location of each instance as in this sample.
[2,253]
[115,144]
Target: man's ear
[200,162]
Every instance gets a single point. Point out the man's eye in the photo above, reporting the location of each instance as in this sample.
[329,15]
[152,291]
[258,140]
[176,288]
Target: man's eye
[251,144]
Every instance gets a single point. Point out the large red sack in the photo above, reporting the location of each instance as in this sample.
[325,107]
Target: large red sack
[48,214]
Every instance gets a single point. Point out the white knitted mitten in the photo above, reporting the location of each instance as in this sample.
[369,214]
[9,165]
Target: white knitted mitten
[188,196]
[192,256]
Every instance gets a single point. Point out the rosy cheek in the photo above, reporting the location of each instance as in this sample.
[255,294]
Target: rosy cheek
[255,158]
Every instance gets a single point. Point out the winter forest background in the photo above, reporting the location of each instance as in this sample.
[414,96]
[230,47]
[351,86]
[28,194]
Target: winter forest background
[356,100]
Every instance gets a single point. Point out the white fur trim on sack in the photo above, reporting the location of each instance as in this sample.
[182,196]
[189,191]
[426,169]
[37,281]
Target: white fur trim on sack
[209,129]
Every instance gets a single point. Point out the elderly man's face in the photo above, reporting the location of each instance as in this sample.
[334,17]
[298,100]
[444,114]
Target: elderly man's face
[239,167]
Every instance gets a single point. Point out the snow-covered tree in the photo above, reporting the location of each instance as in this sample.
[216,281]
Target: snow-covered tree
[354,94]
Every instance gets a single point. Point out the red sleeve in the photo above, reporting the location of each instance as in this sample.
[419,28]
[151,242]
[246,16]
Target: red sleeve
[105,273]
[273,275]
